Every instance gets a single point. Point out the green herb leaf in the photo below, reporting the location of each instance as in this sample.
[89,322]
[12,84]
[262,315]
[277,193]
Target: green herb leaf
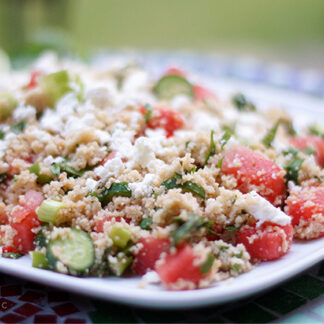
[223,248]
[146,223]
[2,134]
[172,182]
[269,137]
[194,188]
[206,266]
[226,136]
[220,162]
[57,168]
[231,228]
[116,189]
[12,255]
[242,104]
[212,147]
[186,229]
[239,255]
[148,113]
[236,268]
[18,128]
[293,168]
[40,240]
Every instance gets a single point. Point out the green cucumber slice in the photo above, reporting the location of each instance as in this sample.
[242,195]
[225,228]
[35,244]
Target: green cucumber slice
[171,85]
[75,250]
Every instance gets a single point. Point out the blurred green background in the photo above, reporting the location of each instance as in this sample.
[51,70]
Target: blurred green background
[285,30]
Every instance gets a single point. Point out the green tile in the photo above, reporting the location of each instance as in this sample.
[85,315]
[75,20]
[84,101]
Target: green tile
[306,286]
[302,319]
[319,310]
[281,301]
[249,313]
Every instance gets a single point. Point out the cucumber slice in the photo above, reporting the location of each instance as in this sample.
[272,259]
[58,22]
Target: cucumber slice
[75,250]
[55,85]
[7,105]
[171,85]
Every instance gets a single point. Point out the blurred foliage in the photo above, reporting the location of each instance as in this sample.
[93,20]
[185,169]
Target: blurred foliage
[29,26]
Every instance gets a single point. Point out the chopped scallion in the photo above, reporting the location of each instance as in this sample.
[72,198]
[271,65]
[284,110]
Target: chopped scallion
[47,211]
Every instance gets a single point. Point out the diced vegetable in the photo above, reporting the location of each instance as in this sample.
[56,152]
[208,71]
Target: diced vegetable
[120,235]
[241,103]
[55,85]
[171,85]
[41,178]
[39,260]
[149,252]
[148,113]
[47,211]
[120,264]
[268,242]
[167,119]
[253,171]
[306,206]
[7,105]
[24,220]
[317,129]
[75,250]
[180,266]
[201,93]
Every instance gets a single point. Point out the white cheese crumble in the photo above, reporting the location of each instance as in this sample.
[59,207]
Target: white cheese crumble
[143,188]
[151,277]
[24,113]
[91,184]
[114,167]
[49,160]
[261,209]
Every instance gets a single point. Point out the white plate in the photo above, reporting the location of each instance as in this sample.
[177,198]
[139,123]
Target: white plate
[125,290]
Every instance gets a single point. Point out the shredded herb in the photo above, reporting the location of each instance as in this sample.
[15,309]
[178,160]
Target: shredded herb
[186,229]
[172,182]
[212,148]
[116,189]
[40,240]
[148,113]
[12,255]
[188,186]
[57,168]
[293,168]
[223,248]
[146,223]
[239,255]
[226,136]
[220,162]
[41,178]
[242,104]
[194,188]
[270,136]
[3,177]
[206,266]
[2,134]
[236,267]
[18,128]
[231,228]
